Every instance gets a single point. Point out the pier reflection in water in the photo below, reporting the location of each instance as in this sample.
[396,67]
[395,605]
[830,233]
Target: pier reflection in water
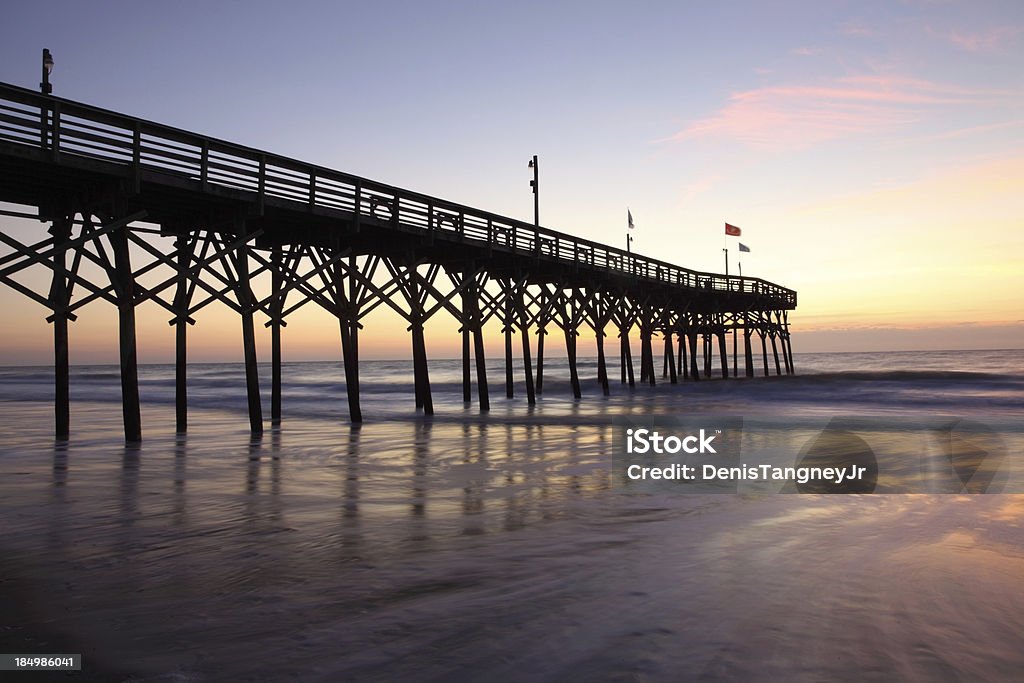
[411,550]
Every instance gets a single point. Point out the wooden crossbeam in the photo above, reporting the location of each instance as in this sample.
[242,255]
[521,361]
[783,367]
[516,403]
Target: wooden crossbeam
[72,275]
[200,264]
[42,257]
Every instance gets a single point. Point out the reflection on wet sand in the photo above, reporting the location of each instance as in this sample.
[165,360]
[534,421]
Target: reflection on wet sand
[180,478]
[501,544]
[351,537]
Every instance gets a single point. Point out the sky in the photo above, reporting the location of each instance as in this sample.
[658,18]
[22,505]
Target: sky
[871,152]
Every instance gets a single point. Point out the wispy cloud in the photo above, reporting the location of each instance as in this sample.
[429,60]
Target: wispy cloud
[697,188]
[858,30]
[806,51]
[801,115]
[988,41]
[972,130]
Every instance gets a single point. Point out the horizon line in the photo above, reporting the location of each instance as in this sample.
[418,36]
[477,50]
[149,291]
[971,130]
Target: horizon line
[496,359]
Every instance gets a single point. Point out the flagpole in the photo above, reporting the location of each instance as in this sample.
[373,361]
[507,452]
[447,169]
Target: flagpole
[725,249]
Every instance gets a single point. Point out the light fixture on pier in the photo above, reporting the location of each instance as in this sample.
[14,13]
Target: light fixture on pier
[45,86]
[535,184]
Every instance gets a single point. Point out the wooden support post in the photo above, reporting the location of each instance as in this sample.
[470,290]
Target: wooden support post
[570,352]
[417,366]
[707,355]
[671,357]
[626,354]
[643,358]
[467,388]
[252,378]
[481,370]
[276,285]
[681,363]
[507,321]
[346,309]
[472,321]
[509,387]
[419,350]
[602,368]
[694,373]
[664,355]
[419,357]
[748,354]
[61,232]
[478,350]
[623,343]
[629,363]
[735,341]
[724,354]
[787,339]
[524,332]
[789,352]
[184,248]
[646,335]
[785,352]
[349,328]
[181,375]
[541,333]
[355,410]
[130,408]
[764,351]
[542,322]
[775,352]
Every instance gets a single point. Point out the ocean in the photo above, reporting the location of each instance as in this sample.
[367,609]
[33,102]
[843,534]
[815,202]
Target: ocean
[509,546]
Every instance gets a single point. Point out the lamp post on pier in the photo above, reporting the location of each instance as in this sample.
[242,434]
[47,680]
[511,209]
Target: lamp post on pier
[45,86]
[535,184]
[46,89]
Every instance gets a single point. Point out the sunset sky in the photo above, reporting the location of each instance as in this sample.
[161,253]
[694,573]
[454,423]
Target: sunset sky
[872,152]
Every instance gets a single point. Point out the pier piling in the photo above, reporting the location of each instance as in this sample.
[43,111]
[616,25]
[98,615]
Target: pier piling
[59,299]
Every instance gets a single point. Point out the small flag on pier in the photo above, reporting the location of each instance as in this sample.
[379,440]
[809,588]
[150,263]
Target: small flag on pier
[629,219]
[744,247]
[732,230]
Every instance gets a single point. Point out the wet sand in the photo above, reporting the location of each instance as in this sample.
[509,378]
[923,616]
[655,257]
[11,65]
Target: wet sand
[448,551]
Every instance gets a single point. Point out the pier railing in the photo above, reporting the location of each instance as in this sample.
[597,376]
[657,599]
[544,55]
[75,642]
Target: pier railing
[60,128]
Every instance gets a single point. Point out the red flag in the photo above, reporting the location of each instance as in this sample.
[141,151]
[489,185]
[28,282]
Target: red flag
[732,230]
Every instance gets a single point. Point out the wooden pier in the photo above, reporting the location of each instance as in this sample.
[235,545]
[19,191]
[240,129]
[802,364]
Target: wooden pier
[227,214]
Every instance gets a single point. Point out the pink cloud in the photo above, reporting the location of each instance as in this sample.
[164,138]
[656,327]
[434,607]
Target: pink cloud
[698,187]
[801,115]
